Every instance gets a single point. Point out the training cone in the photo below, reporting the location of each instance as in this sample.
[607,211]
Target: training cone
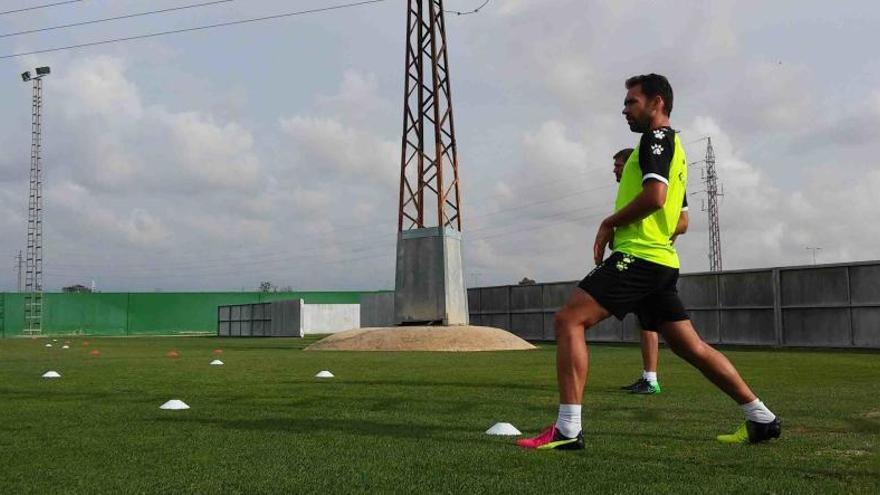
[506,429]
[48,345]
[65,347]
[324,374]
[218,351]
[85,344]
[174,405]
[95,353]
[216,362]
[51,374]
[172,354]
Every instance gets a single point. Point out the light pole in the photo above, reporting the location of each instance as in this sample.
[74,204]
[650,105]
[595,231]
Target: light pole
[814,249]
[33,299]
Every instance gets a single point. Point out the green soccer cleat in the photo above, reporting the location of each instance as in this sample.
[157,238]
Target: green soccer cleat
[646,388]
[752,432]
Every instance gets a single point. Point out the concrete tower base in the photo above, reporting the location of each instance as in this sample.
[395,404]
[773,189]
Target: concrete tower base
[429,287]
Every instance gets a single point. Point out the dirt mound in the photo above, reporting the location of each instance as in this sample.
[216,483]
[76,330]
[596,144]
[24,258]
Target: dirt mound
[465,338]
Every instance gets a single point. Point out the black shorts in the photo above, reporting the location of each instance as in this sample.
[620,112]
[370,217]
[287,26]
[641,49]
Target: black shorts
[625,284]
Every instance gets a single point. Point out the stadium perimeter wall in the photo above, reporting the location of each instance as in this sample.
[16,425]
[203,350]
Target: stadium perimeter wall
[834,306]
[151,313]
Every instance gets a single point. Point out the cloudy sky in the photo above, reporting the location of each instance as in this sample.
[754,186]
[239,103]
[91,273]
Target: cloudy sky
[217,159]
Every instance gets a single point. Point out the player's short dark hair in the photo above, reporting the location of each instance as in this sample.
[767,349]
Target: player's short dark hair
[623,154]
[654,85]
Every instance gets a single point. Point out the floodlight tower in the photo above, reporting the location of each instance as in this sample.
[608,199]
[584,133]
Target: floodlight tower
[33,299]
[429,285]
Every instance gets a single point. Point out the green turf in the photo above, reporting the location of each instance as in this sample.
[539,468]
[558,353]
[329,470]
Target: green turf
[414,422]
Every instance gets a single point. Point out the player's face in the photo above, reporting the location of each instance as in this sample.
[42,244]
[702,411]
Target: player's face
[618,168]
[636,109]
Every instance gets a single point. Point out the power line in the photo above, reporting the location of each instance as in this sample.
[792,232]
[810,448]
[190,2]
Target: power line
[37,7]
[363,241]
[108,19]
[697,140]
[469,12]
[349,228]
[196,28]
[353,246]
[288,260]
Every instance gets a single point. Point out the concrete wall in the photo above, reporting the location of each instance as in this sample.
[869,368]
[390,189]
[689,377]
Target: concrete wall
[274,319]
[290,318]
[377,310]
[330,318]
[813,306]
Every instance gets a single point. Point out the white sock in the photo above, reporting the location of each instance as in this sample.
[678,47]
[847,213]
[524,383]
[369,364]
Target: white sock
[569,420]
[650,376]
[756,411]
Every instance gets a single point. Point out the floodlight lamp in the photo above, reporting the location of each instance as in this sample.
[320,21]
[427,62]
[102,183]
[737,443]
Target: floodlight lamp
[43,71]
[26,76]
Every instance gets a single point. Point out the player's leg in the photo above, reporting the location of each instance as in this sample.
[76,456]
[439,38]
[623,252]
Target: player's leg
[683,339]
[580,312]
[761,424]
[649,384]
[650,354]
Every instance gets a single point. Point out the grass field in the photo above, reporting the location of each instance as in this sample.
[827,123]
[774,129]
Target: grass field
[414,422]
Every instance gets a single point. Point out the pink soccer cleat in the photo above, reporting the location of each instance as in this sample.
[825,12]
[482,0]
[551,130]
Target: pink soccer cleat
[551,438]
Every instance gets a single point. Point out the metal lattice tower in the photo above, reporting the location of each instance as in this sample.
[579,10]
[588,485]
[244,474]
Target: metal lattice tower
[711,181]
[33,299]
[429,160]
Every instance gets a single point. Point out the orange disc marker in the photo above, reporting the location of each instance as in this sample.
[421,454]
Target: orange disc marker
[218,351]
[95,353]
[172,354]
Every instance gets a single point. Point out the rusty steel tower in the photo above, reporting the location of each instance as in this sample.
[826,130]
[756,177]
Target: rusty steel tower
[429,283]
[429,159]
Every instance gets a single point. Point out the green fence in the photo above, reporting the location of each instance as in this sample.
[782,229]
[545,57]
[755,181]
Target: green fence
[134,313]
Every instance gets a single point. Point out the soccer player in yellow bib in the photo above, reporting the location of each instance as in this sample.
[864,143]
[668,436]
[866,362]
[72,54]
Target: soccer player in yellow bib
[649,383]
[640,276]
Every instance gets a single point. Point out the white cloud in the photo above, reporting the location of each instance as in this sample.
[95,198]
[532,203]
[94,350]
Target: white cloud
[211,154]
[777,98]
[763,225]
[84,215]
[287,175]
[331,148]
[553,152]
[97,86]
